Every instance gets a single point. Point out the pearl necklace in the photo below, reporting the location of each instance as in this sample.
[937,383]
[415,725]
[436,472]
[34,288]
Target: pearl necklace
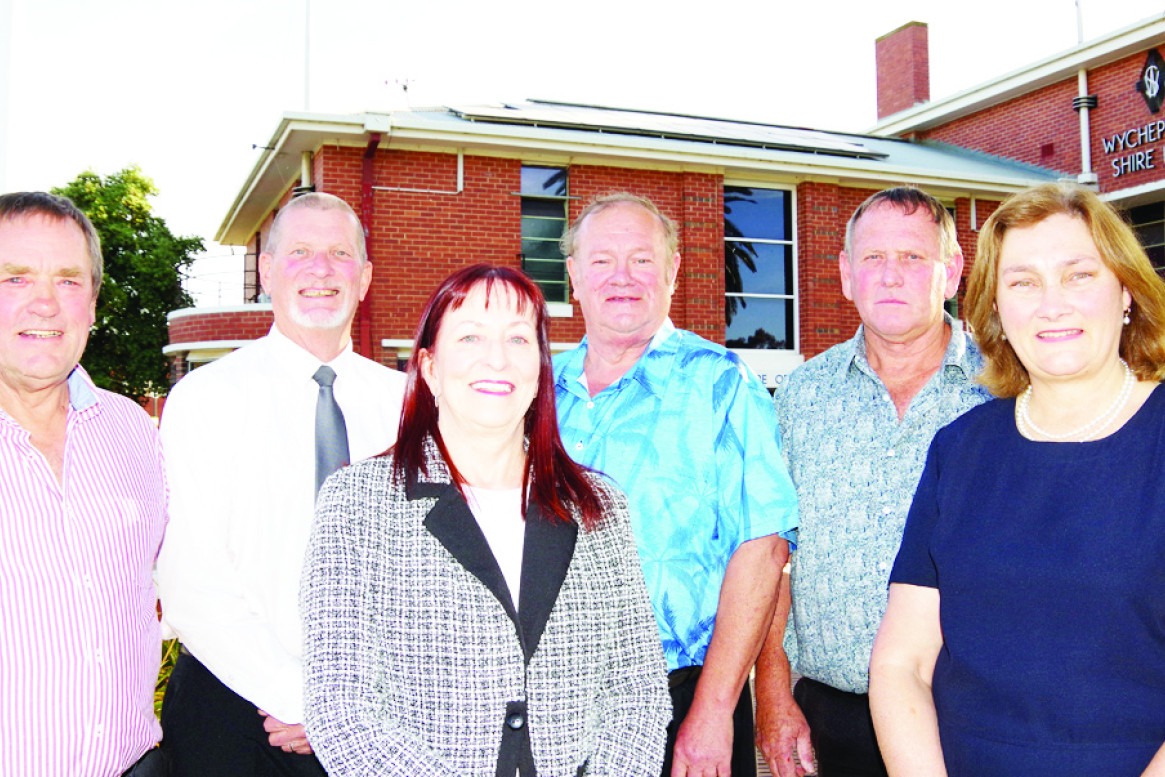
[1101,422]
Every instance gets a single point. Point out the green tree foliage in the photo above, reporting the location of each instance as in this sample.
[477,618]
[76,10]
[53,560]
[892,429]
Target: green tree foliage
[144,266]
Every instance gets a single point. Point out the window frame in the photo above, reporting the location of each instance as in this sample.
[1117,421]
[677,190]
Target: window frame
[794,298]
[1138,226]
[564,199]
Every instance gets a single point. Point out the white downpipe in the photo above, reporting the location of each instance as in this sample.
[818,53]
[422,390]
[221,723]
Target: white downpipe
[1086,175]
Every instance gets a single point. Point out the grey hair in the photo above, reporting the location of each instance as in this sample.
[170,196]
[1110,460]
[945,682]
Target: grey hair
[316,201]
[53,206]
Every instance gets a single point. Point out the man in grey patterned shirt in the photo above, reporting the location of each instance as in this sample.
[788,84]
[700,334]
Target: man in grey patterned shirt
[856,423]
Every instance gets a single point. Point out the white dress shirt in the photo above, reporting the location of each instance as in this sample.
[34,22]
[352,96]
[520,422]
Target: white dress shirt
[239,436]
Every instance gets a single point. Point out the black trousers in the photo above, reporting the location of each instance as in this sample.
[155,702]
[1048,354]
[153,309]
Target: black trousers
[683,690]
[151,764]
[210,730]
[841,729]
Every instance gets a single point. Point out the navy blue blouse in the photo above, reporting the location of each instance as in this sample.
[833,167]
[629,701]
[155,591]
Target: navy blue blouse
[1050,562]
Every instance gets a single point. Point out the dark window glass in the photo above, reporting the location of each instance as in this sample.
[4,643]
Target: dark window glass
[1142,213]
[544,181]
[1156,256]
[547,209]
[759,273]
[543,222]
[757,322]
[541,249]
[764,268]
[1149,223]
[757,213]
[1152,233]
[546,229]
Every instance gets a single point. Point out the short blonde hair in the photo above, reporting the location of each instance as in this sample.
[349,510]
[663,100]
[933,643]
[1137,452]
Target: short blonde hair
[1142,342]
[671,238]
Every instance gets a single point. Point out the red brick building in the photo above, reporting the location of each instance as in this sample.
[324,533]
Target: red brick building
[762,212]
[1092,114]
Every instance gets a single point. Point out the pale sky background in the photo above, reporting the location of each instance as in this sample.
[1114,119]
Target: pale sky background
[185,89]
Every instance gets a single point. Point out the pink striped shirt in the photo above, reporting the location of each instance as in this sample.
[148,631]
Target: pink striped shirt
[80,642]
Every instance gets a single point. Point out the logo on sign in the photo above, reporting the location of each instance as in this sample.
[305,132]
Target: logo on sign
[1149,84]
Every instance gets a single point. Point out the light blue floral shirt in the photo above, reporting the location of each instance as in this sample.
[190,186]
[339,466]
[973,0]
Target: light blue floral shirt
[856,467]
[690,435]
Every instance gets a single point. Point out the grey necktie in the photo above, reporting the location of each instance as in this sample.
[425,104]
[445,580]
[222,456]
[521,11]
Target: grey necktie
[331,434]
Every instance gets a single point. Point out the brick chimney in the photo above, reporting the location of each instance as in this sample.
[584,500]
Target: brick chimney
[903,61]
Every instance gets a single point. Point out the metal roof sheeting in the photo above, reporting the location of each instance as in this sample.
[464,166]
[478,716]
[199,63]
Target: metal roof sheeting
[664,125]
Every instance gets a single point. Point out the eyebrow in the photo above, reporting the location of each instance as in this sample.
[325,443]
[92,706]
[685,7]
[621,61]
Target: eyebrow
[1060,264]
[8,268]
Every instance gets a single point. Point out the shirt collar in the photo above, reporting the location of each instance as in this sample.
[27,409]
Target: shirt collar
[298,360]
[661,343]
[82,392]
[956,355]
[83,398]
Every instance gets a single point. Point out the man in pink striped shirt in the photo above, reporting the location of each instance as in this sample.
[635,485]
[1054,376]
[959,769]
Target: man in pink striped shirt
[82,511]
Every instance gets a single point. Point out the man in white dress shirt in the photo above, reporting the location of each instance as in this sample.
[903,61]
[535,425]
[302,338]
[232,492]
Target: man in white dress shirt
[240,437]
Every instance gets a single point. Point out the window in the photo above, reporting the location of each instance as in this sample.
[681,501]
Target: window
[544,201]
[759,279]
[1149,223]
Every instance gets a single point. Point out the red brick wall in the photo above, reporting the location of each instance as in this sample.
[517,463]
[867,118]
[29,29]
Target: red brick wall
[969,236]
[1041,128]
[903,66]
[1122,108]
[827,317]
[203,327]
[700,295]
[417,239]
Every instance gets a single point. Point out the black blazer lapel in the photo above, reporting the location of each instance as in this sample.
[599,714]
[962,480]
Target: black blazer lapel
[454,526]
[546,554]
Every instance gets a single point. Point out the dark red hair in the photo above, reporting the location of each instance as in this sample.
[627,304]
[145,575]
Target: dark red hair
[552,480]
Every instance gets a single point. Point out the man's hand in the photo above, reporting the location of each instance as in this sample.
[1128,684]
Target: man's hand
[782,732]
[703,746]
[291,739]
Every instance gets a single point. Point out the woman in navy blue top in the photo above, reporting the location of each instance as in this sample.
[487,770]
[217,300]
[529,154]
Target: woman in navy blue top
[1025,631]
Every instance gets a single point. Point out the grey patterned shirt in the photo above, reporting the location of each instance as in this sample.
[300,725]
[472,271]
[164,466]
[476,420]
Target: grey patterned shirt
[855,466]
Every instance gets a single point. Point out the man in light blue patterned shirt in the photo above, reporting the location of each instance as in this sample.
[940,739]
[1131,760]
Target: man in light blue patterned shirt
[856,423]
[689,433]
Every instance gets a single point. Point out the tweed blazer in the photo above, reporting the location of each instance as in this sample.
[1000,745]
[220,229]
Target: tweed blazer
[418,664]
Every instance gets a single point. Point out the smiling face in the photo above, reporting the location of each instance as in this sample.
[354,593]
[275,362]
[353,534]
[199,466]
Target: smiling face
[896,276]
[315,276]
[1060,305]
[484,364]
[47,301]
[622,275]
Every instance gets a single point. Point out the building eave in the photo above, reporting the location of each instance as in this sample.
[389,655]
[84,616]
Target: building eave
[1054,69]
[279,166]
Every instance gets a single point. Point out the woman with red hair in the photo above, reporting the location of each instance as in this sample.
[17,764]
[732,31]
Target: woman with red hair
[472,599]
